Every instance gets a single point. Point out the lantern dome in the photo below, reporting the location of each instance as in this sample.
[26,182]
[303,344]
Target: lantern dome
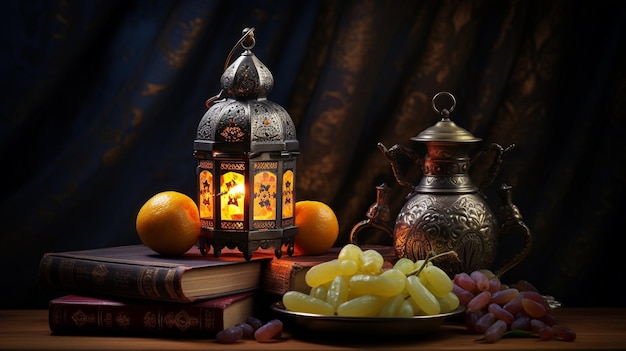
[244,119]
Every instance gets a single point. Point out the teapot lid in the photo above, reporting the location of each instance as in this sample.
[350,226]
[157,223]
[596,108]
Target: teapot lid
[445,129]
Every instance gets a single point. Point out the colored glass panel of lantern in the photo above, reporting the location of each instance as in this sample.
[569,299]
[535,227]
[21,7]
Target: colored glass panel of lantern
[288,200]
[206,195]
[264,196]
[232,195]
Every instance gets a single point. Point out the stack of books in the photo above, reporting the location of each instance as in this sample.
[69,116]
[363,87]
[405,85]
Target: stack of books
[131,290]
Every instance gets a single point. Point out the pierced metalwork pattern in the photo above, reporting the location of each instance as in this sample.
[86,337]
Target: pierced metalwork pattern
[242,81]
[289,129]
[232,166]
[207,223]
[206,127]
[233,124]
[265,165]
[266,79]
[266,121]
[205,164]
[233,121]
[264,224]
[247,78]
[228,225]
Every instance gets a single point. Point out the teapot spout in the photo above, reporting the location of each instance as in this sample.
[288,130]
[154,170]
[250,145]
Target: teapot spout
[378,215]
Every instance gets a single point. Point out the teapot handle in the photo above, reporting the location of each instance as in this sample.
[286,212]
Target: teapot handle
[512,221]
[377,215]
[497,162]
[392,155]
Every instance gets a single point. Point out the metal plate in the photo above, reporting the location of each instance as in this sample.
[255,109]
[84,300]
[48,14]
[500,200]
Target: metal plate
[361,327]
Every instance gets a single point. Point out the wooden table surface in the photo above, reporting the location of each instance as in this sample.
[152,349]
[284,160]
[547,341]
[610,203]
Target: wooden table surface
[597,329]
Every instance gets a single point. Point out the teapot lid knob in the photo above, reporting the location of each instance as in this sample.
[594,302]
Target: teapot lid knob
[445,129]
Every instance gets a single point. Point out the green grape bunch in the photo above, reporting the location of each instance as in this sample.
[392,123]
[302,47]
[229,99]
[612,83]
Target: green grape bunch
[355,284]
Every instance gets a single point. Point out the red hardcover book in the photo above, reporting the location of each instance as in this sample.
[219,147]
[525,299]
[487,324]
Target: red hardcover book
[136,271]
[87,315]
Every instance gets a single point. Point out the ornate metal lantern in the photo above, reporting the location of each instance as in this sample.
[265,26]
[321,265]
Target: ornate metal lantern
[246,149]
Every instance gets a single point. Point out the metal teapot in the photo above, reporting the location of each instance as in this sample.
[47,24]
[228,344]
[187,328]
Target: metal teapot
[445,211]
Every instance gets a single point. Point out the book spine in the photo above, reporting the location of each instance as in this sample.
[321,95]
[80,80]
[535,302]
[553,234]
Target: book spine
[279,276]
[182,320]
[134,281]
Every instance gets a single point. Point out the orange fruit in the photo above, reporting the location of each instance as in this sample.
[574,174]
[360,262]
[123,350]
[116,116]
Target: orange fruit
[318,228]
[169,223]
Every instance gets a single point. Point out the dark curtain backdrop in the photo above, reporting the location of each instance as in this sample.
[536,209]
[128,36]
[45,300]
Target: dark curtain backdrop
[101,100]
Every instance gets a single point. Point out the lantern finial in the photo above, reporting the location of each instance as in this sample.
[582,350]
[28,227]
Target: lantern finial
[247,41]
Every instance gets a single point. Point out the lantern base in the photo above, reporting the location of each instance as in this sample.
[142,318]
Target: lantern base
[248,242]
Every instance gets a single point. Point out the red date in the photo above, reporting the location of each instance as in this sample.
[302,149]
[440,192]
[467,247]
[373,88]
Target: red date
[269,330]
[495,331]
[229,335]
[479,302]
[464,296]
[464,281]
[503,296]
[497,308]
[483,323]
[563,333]
[254,322]
[501,313]
[248,330]
[482,282]
[533,308]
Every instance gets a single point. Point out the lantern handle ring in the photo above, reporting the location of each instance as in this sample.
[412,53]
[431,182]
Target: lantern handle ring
[445,112]
[247,41]
[247,33]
